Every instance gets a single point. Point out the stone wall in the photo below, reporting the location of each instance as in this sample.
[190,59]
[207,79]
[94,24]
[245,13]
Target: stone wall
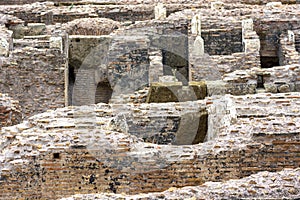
[297,40]
[10,111]
[34,75]
[65,159]
[269,32]
[260,185]
[252,2]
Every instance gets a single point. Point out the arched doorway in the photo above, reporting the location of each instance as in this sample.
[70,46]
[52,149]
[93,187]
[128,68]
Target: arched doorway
[103,92]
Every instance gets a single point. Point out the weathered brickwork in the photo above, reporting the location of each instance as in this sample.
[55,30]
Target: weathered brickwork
[10,111]
[265,185]
[35,77]
[186,93]
[69,162]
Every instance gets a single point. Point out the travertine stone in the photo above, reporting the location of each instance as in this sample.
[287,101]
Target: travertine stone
[217,5]
[160,12]
[4,47]
[196,25]
[269,87]
[56,43]
[274,4]
[198,49]
[284,88]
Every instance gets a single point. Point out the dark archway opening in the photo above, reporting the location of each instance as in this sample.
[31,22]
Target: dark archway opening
[103,92]
[269,48]
[269,61]
[72,78]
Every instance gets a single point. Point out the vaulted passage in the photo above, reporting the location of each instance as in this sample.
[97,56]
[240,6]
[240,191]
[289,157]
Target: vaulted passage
[103,92]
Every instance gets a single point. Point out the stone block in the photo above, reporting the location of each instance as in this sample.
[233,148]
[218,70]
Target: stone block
[4,47]
[270,87]
[36,29]
[274,4]
[192,129]
[57,43]
[160,12]
[216,88]
[284,88]
[199,88]
[198,48]
[175,92]
[217,5]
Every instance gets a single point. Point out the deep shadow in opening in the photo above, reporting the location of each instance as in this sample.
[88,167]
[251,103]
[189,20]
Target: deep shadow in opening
[175,65]
[103,92]
[71,77]
[269,62]
[260,81]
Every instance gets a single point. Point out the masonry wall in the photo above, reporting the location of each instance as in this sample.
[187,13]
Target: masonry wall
[35,77]
[77,171]
[269,32]
[223,42]
[3,2]
[297,40]
[10,111]
[70,165]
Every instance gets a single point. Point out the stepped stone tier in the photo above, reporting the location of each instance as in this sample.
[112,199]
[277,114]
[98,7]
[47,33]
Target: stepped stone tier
[146,99]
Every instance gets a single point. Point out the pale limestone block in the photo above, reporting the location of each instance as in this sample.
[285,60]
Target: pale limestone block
[291,37]
[56,42]
[274,5]
[217,5]
[198,48]
[160,12]
[247,25]
[251,45]
[4,47]
[196,25]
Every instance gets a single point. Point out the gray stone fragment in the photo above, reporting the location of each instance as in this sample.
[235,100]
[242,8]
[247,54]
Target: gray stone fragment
[270,87]
[4,47]
[284,88]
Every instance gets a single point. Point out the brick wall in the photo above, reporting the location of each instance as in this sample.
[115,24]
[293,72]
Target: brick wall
[10,111]
[67,160]
[34,77]
[11,2]
[77,171]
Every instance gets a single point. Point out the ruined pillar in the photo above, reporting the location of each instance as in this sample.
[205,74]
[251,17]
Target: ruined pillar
[287,50]
[160,12]
[6,42]
[156,69]
[198,46]
[250,39]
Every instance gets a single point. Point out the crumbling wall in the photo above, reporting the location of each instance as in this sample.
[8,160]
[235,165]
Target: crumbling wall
[35,77]
[76,150]
[10,111]
[266,185]
[252,2]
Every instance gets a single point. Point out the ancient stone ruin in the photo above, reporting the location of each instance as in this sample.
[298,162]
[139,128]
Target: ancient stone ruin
[144,99]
